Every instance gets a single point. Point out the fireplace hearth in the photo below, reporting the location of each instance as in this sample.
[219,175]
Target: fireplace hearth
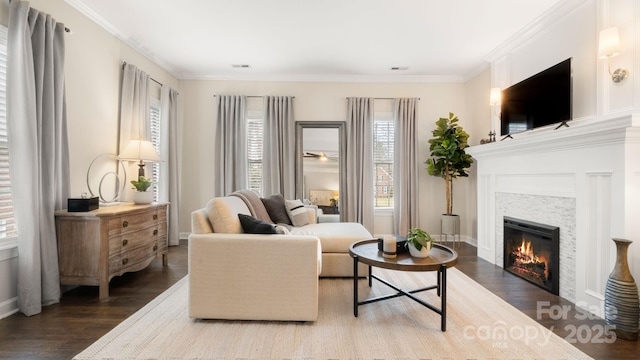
[531,251]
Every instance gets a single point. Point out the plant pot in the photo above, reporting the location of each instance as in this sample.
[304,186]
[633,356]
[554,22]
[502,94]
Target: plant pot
[450,224]
[142,197]
[422,253]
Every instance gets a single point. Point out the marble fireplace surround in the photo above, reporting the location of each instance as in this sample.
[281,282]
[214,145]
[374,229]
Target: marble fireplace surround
[584,179]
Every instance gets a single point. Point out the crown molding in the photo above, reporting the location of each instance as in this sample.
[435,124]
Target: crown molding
[339,78]
[536,28]
[133,43]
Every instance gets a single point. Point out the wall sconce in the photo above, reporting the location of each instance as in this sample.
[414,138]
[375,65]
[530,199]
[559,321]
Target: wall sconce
[496,97]
[608,47]
[140,150]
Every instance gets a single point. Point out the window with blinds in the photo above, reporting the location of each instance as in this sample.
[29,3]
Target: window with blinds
[255,131]
[8,231]
[383,137]
[154,123]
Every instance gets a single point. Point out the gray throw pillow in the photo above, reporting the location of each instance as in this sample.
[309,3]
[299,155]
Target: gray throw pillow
[251,225]
[276,208]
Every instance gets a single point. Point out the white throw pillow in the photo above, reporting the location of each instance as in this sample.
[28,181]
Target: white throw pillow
[297,212]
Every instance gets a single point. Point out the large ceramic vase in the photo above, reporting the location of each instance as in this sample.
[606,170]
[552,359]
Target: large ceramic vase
[621,305]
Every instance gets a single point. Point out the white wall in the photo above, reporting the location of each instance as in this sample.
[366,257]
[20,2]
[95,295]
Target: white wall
[319,101]
[92,73]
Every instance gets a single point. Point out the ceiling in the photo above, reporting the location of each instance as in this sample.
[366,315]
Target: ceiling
[324,40]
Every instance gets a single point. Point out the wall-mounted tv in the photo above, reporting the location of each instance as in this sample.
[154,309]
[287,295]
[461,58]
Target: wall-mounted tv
[541,100]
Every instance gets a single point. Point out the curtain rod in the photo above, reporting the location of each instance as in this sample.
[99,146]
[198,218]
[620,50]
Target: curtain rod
[256,96]
[66,29]
[123,63]
[385,98]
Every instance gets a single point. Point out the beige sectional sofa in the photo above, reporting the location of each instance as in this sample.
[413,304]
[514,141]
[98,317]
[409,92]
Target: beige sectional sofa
[235,275]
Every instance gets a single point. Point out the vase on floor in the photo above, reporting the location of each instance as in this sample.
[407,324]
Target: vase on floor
[621,304]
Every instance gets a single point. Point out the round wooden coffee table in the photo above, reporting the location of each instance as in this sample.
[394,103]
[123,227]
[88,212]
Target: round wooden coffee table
[440,258]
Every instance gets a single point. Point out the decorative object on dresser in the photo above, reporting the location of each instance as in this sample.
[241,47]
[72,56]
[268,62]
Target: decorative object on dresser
[141,151]
[95,246]
[142,196]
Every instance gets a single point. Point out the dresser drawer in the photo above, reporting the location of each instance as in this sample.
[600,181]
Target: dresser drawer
[135,222]
[118,263]
[124,242]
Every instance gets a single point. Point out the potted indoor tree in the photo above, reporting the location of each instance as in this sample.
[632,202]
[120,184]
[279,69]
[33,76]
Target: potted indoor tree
[419,242]
[142,196]
[449,160]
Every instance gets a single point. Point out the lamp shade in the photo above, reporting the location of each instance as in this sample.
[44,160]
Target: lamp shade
[496,96]
[140,150]
[609,43]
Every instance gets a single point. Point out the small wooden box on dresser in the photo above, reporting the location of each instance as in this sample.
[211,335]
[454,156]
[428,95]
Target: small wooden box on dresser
[95,246]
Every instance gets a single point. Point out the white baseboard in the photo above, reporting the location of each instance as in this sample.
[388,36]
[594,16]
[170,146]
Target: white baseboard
[183,235]
[8,307]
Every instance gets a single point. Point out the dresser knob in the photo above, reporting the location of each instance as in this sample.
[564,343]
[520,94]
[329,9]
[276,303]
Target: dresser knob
[155,232]
[155,247]
[125,223]
[155,216]
[125,242]
[125,261]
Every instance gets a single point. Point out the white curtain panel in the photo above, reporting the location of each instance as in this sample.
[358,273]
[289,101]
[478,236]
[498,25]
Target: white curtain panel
[171,165]
[134,106]
[357,200]
[230,152]
[278,152]
[405,165]
[39,150]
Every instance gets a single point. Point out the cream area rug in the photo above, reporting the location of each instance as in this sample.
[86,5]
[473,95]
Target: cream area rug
[480,325]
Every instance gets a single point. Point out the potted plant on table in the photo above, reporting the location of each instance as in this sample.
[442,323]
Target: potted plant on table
[419,242]
[142,196]
[449,160]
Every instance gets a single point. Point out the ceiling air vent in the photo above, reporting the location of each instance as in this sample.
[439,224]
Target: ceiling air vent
[394,68]
[241,66]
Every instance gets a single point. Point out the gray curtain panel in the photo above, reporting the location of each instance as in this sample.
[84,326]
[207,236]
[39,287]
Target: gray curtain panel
[171,165]
[405,165]
[230,155]
[358,198]
[39,150]
[134,106]
[278,152]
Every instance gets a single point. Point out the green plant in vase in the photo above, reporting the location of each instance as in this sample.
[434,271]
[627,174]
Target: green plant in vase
[419,242]
[142,184]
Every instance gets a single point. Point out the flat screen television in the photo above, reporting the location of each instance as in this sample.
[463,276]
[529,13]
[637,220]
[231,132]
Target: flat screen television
[541,100]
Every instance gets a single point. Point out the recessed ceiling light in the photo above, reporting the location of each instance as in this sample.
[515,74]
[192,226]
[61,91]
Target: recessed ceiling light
[241,66]
[399,68]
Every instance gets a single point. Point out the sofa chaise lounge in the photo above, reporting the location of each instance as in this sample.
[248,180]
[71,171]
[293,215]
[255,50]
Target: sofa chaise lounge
[241,276]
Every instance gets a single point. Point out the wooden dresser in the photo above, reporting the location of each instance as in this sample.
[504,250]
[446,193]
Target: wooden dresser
[95,246]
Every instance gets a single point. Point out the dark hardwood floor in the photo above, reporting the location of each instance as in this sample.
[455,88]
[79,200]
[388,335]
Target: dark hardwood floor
[63,330]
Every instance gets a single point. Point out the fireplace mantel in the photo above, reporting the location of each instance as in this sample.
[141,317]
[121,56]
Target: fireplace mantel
[579,134]
[585,177]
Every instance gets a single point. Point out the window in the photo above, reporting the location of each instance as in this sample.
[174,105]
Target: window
[255,131]
[8,231]
[383,137]
[154,124]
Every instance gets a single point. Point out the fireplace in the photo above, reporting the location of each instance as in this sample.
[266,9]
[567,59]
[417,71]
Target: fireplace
[531,251]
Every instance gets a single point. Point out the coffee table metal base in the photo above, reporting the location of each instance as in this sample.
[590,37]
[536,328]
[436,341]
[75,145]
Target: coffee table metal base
[441,291]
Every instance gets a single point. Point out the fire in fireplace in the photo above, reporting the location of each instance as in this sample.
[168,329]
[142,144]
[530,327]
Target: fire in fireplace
[531,251]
